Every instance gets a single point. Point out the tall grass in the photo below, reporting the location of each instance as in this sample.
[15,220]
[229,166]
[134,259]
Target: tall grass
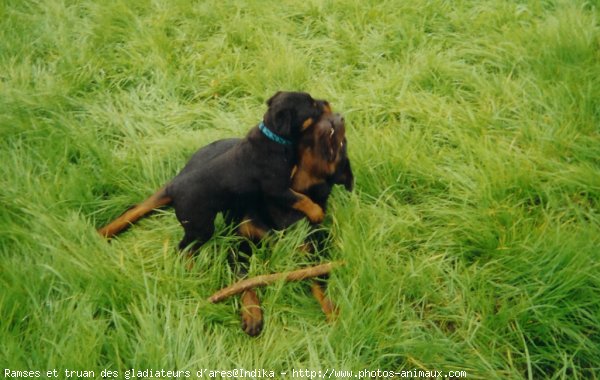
[472,240]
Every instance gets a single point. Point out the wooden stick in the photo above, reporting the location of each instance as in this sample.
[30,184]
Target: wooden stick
[267,279]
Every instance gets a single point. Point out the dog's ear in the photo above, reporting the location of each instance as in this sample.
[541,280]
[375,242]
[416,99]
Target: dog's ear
[272,98]
[282,123]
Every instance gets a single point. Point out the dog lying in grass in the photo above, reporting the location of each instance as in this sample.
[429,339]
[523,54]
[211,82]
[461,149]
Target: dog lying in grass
[321,161]
[257,166]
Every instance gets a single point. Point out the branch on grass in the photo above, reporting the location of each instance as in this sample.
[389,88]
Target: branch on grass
[266,279]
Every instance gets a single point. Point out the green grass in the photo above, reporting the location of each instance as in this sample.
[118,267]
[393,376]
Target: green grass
[472,240]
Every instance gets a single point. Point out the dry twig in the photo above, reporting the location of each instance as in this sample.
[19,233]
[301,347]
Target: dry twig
[267,279]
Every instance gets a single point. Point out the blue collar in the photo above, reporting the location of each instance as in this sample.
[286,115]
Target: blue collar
[272,136]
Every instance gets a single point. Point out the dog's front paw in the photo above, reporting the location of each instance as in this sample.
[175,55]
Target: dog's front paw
[313,211]
[315,214]
[251,313]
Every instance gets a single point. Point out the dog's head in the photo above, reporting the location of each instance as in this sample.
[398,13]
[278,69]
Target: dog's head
[323,154]
[291,113]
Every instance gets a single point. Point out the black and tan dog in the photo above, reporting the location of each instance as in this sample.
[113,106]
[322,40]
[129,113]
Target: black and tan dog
[256,167]
[323,162]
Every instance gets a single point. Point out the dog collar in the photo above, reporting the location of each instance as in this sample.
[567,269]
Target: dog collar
[272,136]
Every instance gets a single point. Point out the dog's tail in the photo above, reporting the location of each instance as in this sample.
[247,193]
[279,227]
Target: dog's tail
[156,200]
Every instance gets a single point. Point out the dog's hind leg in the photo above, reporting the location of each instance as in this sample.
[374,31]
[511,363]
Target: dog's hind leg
[316,243]
[156,200]
[318,290]
[250,311]
[198,227]
[194,238]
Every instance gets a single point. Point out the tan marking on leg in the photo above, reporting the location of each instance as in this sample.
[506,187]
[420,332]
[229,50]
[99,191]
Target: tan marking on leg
[306,248]
[250,230]
[313,211]
[188,260]
[132,215]
[327,306]
[252,318]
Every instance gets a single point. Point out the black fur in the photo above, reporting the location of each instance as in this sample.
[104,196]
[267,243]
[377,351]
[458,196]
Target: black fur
[254,167]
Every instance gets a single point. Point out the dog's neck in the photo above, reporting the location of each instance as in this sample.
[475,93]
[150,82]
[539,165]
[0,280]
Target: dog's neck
[272,135]
[259,140]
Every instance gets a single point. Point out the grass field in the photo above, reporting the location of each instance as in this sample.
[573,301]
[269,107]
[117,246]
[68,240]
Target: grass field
[472,239]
